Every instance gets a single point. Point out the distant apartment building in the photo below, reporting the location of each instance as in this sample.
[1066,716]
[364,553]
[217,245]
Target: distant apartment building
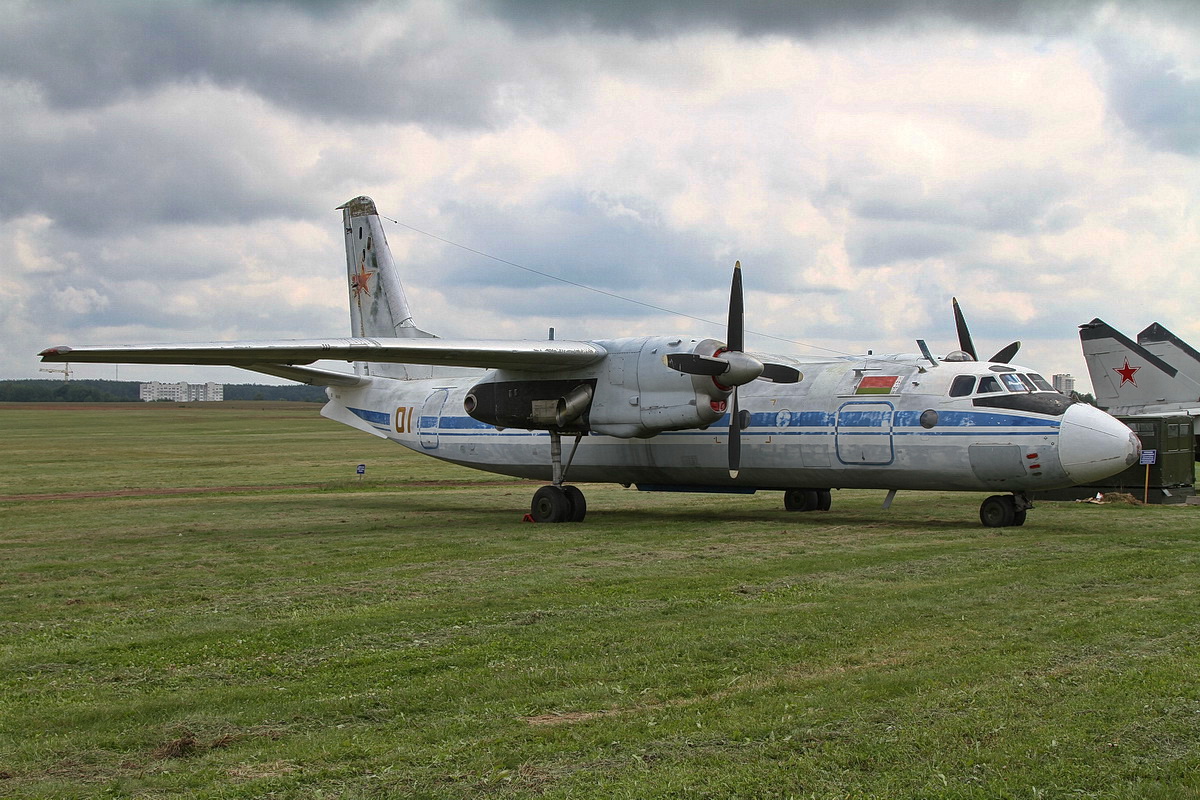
[1063,382]
[181,392]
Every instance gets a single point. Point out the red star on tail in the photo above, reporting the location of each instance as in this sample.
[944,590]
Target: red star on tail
[1126,373]
[361,281]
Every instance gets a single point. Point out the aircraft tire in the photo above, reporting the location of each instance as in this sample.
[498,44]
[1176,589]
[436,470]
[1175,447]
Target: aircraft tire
[824,499]
[550,504]
[578,503]
[998,511]
[801,500]
[1019,517]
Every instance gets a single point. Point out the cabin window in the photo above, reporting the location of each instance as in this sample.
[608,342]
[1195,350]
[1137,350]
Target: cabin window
[963,385]
[1012,382]
[988,384]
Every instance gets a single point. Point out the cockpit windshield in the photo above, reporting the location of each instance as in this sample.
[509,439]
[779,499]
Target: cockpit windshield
[1016,382]
[988,385]
[1041,383]
[1013,382]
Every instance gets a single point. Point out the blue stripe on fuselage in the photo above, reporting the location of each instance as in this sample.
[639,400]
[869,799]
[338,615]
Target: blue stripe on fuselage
[802,423]
[374,417]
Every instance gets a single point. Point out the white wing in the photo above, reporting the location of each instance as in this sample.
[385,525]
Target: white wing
[525,355]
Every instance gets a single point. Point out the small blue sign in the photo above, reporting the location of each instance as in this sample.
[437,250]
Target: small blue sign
[1149,456]
[362,468]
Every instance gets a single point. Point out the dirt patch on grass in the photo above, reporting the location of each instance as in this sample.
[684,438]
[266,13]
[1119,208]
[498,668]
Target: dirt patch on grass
[567,717]
[182,747]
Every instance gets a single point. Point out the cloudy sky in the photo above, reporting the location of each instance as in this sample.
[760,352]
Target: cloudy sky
[169,171]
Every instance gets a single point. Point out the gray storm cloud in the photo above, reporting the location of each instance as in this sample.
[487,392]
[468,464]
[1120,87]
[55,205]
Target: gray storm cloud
[169,170]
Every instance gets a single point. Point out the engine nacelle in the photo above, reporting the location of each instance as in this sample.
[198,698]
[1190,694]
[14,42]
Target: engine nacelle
[534,404]
[631,393]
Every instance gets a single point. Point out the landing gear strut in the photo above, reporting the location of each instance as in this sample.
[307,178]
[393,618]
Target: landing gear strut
[1004,510]
[559,503]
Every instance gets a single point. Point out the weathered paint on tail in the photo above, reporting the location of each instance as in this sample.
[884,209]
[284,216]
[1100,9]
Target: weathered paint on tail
[378,305]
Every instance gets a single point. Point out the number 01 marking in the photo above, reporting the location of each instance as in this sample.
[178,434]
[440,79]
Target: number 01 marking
[404,419]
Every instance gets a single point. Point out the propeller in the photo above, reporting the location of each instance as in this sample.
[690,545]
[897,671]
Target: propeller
[1004,356]
[964,334]
[730,367]
[736,336]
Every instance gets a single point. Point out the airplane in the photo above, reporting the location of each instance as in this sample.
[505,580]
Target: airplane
[675,412]
[1158,374]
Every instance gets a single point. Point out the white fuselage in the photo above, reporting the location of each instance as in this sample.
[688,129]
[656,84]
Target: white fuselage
[825,431]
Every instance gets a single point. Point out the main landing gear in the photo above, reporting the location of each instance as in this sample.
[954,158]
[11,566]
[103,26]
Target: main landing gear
[558,503]
[1003,510]
[807,499]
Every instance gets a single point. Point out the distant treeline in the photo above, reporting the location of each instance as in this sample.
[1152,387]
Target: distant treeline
[100,391]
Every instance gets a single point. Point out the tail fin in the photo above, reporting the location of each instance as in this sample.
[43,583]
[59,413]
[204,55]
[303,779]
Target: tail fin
[378,306]
[1127,376]
[1171,348]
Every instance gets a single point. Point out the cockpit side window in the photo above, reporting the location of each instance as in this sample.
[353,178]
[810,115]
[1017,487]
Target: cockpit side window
[988,384]
[1013,383]
[962,385]
[1040,382]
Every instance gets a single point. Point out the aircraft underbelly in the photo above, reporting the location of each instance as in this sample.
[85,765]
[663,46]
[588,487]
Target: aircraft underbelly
[693,459]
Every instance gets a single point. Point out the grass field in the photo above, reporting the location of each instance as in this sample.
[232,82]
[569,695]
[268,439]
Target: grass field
[293,631]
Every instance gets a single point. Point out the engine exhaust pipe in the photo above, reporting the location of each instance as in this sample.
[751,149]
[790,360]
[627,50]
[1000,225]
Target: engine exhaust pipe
[572,405]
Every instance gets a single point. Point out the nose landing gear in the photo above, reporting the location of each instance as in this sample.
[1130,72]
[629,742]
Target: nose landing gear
[807,499]
[1004,510]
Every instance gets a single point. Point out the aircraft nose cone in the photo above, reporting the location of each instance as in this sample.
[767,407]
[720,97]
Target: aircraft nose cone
[1092,445]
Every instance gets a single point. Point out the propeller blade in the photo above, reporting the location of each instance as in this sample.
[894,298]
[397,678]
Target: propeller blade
[1006,354]
[696,364]
[779,373]
[735,437]
[736,330]
[964,335]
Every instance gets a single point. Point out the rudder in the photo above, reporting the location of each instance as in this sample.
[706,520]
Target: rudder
[378,305]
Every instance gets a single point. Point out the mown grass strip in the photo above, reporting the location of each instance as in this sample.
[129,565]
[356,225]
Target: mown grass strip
[396,639]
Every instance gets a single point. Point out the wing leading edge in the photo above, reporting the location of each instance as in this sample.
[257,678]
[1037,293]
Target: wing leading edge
[533,356]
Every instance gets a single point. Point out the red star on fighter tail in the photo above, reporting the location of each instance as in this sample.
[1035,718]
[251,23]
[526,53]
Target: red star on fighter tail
[1126,373]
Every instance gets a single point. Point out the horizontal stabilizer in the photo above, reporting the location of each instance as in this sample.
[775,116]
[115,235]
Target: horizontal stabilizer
[310,375]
